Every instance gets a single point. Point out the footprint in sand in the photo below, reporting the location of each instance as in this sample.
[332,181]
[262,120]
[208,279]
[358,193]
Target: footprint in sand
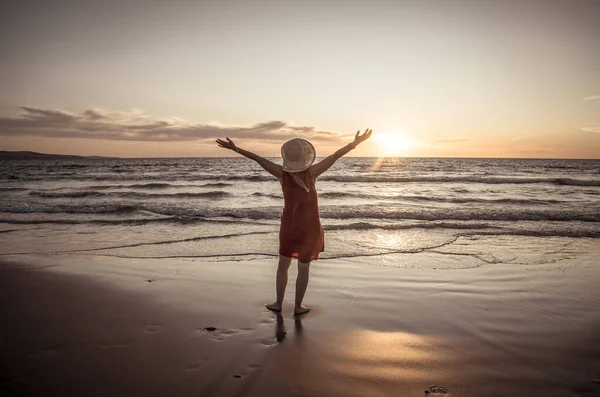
[229,332]
[151,328]
[348,295]
[437,391]
[49,351]
[268,342]
[220,334]
[297,391]
[199,364]
[251,368]
[114,345]
[18,379]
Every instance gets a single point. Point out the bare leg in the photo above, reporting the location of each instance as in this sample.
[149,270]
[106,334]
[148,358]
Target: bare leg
[301,284]
[280,282]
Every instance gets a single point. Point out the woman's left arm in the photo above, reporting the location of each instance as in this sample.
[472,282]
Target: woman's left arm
[269,166]
[326,163]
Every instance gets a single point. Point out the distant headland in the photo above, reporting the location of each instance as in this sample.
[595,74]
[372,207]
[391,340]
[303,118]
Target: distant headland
[8,155]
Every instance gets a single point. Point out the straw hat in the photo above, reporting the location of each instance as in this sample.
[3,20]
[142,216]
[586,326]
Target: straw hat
[298,154]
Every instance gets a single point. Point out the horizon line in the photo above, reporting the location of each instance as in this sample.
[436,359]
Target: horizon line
[271,157]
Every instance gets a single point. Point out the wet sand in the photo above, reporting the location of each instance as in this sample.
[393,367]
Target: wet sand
[510,316]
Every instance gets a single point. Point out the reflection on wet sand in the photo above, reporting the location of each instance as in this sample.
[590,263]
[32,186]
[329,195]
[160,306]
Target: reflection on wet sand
[365,363]
[280,328]
[280,331]
[376,356]
[371,363]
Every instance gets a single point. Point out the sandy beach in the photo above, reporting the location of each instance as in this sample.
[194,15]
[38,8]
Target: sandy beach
[483,316]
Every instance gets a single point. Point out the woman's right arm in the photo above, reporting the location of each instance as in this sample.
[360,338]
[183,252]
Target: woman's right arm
[269,166]
[326,163]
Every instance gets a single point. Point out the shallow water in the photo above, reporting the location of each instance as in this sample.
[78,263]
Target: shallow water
[211,207]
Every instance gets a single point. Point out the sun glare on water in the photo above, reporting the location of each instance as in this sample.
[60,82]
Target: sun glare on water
[393,143]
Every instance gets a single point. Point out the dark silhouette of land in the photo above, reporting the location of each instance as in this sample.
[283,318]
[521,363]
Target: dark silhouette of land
[8,155]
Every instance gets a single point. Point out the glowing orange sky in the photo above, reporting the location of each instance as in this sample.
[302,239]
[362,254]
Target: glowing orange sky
[461,78]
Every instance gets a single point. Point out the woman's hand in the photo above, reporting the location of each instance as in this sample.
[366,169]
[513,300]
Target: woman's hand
[269,166]
[227,144]
[323,165]
[361,138]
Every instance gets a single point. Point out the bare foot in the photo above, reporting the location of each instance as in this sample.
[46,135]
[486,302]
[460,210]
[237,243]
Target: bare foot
[276,307]
[301,310]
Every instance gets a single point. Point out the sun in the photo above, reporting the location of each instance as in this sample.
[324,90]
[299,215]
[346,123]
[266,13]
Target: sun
[393,143]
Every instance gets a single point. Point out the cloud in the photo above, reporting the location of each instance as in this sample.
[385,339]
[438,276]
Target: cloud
[93,114]
[591,127]
[520,138]
[480,139]
[441,140]
[591,98]
[135,125]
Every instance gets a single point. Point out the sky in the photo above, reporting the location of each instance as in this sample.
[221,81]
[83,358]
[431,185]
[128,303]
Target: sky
[445,78]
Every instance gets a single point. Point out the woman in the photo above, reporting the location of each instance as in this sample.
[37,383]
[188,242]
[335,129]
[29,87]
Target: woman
[301,233]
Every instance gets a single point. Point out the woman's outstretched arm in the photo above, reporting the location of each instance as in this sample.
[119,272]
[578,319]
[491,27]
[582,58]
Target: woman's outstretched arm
[269,166]
[327,162]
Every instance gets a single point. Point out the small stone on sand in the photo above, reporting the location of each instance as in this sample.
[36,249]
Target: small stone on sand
[210,329]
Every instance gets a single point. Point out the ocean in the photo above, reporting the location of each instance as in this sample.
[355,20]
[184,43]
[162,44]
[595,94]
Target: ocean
[228,208]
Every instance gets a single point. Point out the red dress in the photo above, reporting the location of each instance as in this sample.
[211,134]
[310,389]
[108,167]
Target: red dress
[301,233]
